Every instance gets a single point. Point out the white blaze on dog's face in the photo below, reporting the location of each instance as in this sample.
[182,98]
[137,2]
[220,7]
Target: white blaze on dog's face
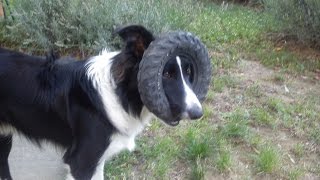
[193,106]
[177,78]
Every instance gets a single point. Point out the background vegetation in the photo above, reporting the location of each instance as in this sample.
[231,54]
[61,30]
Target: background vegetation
[87,25]
[259,121]
[299,19]
[66,24]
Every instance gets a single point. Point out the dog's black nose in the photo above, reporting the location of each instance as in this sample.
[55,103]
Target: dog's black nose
[195,113]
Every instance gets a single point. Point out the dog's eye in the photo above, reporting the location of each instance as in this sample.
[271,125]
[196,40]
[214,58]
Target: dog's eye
[188,70]
[167,74]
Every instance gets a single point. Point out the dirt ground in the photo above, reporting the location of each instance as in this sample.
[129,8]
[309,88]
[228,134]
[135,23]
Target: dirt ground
[290,89]
[29,162]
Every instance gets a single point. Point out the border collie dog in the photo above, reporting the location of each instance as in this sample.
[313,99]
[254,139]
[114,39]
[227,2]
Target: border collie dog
[90,108]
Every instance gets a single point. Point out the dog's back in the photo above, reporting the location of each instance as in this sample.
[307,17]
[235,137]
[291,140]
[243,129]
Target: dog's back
[32,90]
[28,93]
[18,74]
[12,62]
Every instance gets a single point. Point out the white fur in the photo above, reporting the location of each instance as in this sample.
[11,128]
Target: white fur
[99,71]
[99,174]
[7,130]
[191,99]
[120,142]
[69,175]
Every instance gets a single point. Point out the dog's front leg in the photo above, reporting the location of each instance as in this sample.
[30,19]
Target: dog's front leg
[5,147]
[85,158]
[99,173]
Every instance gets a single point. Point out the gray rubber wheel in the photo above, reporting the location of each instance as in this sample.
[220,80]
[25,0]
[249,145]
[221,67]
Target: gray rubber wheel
[155,57]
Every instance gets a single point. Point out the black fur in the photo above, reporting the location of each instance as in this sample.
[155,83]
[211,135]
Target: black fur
[48,100]
[125,69]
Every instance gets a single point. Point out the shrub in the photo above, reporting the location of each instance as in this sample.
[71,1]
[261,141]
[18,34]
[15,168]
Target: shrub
[67,24]
[298,19]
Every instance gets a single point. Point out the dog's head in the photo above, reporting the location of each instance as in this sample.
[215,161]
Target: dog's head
[177,76]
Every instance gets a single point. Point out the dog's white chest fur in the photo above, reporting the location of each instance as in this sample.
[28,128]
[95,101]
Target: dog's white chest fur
[119,141]
[127,125]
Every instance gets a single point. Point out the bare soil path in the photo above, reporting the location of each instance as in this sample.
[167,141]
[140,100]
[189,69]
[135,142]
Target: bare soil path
[29,162]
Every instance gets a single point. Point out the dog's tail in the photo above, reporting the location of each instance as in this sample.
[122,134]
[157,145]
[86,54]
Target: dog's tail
[51,57]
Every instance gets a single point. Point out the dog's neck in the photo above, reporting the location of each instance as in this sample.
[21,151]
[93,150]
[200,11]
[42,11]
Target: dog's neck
[115,79]
[124,71]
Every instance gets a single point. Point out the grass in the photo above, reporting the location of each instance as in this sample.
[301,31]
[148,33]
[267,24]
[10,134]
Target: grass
[223,161]
[207,111]
[276,105]
[161,156]
[302,117]
[158,159]
[120,166]
[299,150]
[295,174]
[314,134]
[224,81]
[197,170]
[262,117]
[297,19]
[254,91]
[250,132]
[236,125]
[268,160]
[279,78]
[197,146]
[285,59]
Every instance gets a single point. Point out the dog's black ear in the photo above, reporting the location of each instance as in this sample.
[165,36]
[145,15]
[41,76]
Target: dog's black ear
[136,37]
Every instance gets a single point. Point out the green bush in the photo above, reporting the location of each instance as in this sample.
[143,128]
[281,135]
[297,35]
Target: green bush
[298,19]
[87,25]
